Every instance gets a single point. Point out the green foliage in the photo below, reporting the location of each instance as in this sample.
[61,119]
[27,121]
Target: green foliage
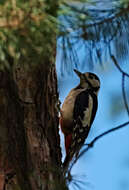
[124,3]
[28,29]
[93,27]
[27,32]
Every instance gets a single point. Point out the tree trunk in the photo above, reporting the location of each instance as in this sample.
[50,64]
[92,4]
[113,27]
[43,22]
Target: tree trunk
[30,154]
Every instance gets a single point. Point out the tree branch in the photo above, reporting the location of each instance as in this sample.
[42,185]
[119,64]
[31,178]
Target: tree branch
[117,65]
[105,20]
[91,144]
[123,82]
[124,94]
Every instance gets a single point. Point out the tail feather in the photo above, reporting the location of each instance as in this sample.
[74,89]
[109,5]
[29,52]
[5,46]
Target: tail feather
[66,164]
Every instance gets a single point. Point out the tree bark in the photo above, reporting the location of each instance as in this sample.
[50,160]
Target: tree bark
[30,154]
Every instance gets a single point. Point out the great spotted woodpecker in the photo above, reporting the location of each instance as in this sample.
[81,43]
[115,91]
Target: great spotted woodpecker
[78,112]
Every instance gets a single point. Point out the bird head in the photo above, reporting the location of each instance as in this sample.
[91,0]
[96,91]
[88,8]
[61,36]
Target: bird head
[88,80]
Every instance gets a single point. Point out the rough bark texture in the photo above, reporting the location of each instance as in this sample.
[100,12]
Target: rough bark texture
[30,154]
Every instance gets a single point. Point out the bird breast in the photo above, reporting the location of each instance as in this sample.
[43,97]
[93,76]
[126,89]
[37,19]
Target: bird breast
[68,107]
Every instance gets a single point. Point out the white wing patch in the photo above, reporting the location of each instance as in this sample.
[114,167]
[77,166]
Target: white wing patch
[87,113]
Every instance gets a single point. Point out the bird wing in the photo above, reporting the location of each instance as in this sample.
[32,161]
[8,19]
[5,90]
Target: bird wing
[84,112]
[85,107]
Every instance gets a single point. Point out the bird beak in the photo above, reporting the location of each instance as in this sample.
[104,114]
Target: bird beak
[78,73]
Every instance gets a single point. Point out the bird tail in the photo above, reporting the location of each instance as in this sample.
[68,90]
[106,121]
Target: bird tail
[66,164]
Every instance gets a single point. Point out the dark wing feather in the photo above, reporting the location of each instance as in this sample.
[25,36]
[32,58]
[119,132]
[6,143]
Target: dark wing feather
[82,102]
[80,132]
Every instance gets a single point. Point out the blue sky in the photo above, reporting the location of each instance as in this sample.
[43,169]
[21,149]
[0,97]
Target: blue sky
[106,165]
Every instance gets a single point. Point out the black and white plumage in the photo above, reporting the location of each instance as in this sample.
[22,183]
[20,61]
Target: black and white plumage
[78,113]
[84,113]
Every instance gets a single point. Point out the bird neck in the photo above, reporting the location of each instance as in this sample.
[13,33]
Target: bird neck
[84,86]
[94,90]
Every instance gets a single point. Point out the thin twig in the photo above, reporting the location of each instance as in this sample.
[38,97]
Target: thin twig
[124,94]
[105,20]
[91,144]
[123,82]
[117,65]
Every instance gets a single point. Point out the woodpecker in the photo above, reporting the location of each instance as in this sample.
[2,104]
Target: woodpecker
[78,112]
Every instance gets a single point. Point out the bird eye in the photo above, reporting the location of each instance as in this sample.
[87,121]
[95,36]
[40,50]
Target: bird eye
[91,76]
